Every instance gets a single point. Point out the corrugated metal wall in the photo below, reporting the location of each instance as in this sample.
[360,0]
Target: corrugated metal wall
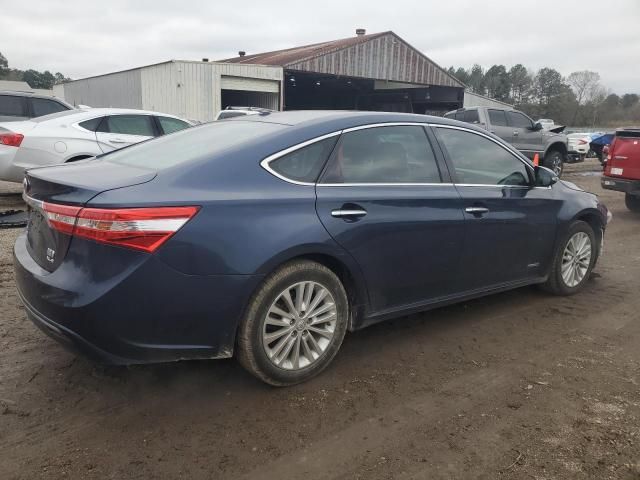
[192,89]
[122,89]
[386,57]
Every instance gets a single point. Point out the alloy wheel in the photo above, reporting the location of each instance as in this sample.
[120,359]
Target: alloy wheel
[576,259]
[299,325]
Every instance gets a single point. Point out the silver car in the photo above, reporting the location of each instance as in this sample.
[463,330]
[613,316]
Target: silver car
[76,135]
[17,106]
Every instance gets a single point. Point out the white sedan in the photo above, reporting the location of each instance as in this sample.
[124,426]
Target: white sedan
[578,144]
[76,135]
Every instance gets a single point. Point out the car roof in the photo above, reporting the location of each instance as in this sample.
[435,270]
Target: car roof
[20,93]
[342,117]
[77,115]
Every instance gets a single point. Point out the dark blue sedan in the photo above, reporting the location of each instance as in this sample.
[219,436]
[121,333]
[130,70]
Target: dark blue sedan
[270,236]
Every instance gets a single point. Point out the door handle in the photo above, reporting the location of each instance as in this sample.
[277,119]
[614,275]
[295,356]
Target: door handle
[516,133]
[117,140]
[478,211]
[348,213]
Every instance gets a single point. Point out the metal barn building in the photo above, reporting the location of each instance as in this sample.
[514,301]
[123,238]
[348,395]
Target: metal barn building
[193,90]
[379,71]
[364,72]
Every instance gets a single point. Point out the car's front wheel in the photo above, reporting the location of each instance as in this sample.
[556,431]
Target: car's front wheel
[573,260]
[554,161]
[632,202]
[294,324]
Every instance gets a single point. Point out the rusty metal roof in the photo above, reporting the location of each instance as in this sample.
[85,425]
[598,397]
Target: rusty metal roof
[297,54]
[382,56]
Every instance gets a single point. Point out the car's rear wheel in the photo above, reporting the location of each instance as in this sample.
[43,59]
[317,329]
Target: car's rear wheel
[632,202]
[573,261]
[294,324]
[554,161]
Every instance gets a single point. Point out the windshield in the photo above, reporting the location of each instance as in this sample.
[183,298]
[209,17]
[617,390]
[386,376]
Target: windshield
[191,144]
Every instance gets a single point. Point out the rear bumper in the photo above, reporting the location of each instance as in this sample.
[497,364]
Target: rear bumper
[9,172]
[125,307]
[620,185]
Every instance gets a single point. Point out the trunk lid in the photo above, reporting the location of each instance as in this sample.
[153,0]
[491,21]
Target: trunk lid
[71,185]
[624,155]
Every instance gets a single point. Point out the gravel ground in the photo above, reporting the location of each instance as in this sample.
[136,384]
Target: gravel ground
[517,385]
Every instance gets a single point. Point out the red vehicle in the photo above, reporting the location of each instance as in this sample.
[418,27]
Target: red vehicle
[622,170]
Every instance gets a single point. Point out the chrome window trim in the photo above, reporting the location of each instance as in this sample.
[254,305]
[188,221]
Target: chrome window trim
[265,163]
[516,154]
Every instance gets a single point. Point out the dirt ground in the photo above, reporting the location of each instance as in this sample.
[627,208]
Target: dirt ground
[517,385]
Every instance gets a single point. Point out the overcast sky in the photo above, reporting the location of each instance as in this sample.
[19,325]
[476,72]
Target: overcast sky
[88,37]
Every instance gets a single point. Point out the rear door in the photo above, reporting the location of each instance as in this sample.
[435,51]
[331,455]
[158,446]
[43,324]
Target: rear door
[511,224]
[118,131]
[388,201]
[525,138]
[499,125]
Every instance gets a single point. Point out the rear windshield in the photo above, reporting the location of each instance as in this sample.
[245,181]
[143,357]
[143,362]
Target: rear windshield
[190,144]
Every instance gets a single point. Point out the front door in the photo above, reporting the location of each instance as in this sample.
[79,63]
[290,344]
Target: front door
[118,131]
[382,198]
[525,138]
[511,224]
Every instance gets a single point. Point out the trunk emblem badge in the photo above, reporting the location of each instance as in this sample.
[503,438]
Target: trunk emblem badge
[51,255]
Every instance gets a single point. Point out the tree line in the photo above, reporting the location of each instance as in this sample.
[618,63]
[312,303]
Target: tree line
[34,78]
[578,100]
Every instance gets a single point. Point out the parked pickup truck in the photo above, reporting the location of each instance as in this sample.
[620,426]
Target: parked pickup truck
[520,131]
[622,167]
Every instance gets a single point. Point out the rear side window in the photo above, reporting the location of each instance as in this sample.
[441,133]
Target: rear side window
[518,120]
[170,125]
[12,106]
[451,115]
[497,118]
[304,164]
[130,125]
[91,125]
[393,154]
[191,144]
[42,106]
[460,116]
[471,116]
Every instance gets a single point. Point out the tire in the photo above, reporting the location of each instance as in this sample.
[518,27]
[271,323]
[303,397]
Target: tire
[557,283]
[260,356]
[632,202]
[554,161]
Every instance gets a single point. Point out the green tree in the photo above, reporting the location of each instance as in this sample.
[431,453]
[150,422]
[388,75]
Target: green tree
[4,65]
[521,81]
[629,100]
[497,83]
[476,80]
[547,86]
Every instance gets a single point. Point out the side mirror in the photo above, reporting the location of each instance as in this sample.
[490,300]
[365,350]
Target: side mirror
[545,177]
[537,127]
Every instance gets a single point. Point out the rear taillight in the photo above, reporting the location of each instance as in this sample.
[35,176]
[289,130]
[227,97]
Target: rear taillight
[11,139]
[138,228]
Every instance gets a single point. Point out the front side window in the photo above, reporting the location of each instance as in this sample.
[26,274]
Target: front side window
[393,154]
[12,106]
[130,125]
[170,125]
[42,106]
[480,161]
[91,125]
[304,164]
[518,120]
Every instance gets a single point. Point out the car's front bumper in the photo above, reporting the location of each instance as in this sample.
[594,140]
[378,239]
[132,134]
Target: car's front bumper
[127,307]
[620,185]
